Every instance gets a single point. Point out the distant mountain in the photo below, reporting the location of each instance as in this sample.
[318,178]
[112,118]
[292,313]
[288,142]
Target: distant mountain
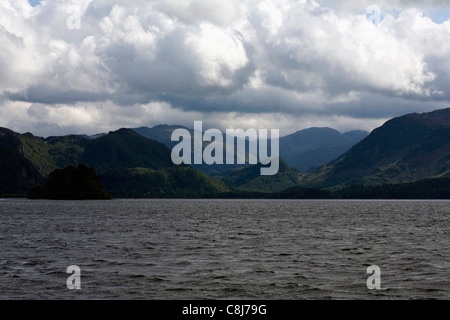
[305,149]
[356,135]
[92,137]
[161,133]
[405,149]
[310,148]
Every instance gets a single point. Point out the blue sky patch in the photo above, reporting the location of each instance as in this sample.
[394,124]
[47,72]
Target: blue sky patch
[34,3]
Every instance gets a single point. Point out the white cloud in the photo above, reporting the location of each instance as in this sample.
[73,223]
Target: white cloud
[218,53]
[219,12]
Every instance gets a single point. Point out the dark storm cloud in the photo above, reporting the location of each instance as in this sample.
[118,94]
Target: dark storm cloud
[50,95]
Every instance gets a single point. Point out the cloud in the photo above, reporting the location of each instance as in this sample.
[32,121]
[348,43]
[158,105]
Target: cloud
[338,55]
[145,62]
[218,12]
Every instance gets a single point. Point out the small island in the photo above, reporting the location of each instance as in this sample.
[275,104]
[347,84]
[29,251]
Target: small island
[71,183]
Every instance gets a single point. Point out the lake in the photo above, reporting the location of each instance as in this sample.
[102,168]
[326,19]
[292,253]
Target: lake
[225,249]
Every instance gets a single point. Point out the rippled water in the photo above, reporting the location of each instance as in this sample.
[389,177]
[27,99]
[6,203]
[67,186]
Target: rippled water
[224,249]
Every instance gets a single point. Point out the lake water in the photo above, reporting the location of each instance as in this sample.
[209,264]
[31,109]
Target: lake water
[224,249]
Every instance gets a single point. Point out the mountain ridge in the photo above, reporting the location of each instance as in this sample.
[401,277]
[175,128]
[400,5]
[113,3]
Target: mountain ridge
[404,149]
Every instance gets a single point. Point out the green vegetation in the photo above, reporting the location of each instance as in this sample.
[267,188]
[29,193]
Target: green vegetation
[130,165]
[71,183]
[52,153]
[405,149]
[425,189]
[125,148]
[133,166]
[17,173]
[249,179]
[176,182]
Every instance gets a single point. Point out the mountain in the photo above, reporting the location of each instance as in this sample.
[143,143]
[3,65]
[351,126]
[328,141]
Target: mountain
[48,154]
[27,160]
[56,152]
[134,166]
[356,135]
[310,148]
[405,149]
[126,148]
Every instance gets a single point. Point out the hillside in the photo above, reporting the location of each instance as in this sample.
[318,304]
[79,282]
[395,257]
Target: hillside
[26,160]
[133,166]
[250,179]
[125,148]
[405,149]
[17,173]
[179,182]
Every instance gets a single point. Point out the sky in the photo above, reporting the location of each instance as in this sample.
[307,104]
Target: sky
[91,66]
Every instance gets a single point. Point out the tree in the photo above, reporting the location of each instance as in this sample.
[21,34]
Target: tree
[71,183]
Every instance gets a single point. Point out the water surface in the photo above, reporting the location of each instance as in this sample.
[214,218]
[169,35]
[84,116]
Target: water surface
[224,249]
